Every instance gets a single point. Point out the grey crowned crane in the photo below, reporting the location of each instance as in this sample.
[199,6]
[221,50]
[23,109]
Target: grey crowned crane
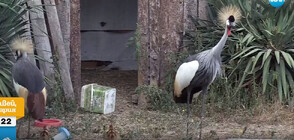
[28,81]
[199,70]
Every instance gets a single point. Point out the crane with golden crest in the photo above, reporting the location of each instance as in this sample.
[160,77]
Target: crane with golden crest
[28,80]
[199,70]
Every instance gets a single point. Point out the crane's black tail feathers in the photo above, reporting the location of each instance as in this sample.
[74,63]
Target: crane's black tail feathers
[184,96]
[183,99]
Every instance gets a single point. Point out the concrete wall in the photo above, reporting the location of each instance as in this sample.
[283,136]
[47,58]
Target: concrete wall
[106,27]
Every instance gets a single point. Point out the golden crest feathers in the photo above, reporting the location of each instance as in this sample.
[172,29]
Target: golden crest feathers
[228,11]
[23,45]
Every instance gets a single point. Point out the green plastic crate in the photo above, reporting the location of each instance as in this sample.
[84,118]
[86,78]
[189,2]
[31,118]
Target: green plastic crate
[97,98]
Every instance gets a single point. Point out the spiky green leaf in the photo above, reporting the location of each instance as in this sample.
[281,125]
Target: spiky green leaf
[256,59]
[279,82]
[265,73]
[288,59]
[277,54]
[290,80]
[252,52]
[249,64]
[265,56]
[245,51]
[283,77]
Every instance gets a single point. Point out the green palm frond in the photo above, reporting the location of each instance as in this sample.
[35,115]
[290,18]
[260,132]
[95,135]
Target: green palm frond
[11,25]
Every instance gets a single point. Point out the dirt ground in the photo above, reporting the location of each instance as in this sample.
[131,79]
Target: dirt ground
[131,122]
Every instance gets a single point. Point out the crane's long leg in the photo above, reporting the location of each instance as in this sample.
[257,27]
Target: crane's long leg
[204,91]
[21,122]
[29,127]
[188,111]
[19,126]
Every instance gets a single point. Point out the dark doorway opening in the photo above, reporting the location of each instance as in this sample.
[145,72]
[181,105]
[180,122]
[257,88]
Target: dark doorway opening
[106,27]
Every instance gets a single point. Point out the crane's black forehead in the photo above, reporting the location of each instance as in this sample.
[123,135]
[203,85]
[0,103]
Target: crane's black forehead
[231,18]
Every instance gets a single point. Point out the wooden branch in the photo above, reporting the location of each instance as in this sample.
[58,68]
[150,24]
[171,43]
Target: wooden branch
[75,48]
[57,41]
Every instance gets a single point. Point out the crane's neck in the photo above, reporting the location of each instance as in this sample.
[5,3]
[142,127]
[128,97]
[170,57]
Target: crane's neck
[24,54]
[217,49]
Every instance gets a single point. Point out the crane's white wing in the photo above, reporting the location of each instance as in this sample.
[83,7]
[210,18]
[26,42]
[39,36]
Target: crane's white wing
[184,76]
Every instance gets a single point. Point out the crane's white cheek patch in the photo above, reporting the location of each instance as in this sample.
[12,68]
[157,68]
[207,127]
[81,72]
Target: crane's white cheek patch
[44,92]
[16,86]
[184,76]
[21,91]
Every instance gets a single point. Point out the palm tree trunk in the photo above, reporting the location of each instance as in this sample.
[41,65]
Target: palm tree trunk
[57,41]
[41,41]
[63,10]
[75,48]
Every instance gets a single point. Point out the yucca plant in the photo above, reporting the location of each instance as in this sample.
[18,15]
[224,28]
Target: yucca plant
[11,26]
[261,48]
[267,47]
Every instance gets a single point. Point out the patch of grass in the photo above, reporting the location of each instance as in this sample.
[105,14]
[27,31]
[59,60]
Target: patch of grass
[136,134]
[158,99]
[60,104]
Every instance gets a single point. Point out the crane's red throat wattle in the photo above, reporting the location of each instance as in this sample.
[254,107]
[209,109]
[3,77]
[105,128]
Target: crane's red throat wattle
[229,31]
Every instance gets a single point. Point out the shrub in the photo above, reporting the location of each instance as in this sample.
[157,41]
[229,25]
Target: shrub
[158,99]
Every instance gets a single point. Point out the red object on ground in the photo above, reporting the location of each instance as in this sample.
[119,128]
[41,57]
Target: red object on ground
[48,122]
